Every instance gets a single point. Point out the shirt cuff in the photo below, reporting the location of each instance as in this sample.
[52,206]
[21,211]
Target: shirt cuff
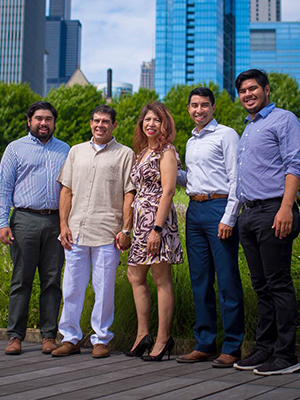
[229,220]
[4,224]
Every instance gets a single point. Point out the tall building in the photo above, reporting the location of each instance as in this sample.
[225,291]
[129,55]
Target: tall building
[61,8]
[198,41]
[63,44]
[265,10]
[22,42]
[275,47]
[147,74]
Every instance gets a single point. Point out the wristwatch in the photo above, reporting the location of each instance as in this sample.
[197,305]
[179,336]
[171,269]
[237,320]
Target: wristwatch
[157,228]
[126,233]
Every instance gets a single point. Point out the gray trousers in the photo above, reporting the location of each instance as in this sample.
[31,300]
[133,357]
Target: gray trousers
[35,246]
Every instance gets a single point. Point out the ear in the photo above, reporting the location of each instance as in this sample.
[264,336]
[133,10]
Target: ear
[28,121]
[214,107]
[267,90]
[115,125]
[91,122]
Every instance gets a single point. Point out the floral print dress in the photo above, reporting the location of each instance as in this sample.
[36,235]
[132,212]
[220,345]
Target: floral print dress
[146,177]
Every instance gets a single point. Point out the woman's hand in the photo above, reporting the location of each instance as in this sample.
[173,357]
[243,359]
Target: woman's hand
[154,242]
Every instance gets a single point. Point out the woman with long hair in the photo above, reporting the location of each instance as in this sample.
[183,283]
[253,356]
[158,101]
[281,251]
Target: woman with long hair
[156,244]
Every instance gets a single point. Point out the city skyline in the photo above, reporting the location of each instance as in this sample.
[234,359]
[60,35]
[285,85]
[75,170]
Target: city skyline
[122,36]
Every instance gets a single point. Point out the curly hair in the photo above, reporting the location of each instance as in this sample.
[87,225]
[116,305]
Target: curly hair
[168,131]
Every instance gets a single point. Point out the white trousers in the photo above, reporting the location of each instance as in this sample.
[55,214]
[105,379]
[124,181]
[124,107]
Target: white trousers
[104,261]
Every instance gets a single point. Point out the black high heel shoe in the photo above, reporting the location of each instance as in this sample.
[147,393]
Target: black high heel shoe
[168,348]
[145,344]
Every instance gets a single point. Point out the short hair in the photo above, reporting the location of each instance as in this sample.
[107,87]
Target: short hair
[168,131]
[40,105]
[259,75]
[104,109]
[202,91]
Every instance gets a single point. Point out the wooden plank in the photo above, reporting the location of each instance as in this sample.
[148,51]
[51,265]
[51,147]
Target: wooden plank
[34,376]
[280,394]
[170,390]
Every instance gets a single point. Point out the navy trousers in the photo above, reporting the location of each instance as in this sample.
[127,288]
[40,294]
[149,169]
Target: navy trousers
[208,255]
[269,261]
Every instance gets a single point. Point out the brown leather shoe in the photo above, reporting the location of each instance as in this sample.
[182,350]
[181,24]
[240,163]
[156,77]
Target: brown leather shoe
[13,347]
[48,345]
[100,350]
[66,349]
[224,361]
[195,356]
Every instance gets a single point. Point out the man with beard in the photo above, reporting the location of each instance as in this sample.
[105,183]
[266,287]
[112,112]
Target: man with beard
[268,181]
[28,173]
[95,208]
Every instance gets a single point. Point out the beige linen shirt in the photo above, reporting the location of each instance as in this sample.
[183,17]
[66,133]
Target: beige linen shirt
[98,180]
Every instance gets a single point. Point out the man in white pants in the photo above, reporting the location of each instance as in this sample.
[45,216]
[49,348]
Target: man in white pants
[95,207]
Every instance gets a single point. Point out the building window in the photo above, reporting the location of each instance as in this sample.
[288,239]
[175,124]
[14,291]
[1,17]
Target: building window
[263,40]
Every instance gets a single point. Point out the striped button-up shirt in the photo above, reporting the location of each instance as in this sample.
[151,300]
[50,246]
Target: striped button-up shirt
[28,173]
[268,151]
[211,166]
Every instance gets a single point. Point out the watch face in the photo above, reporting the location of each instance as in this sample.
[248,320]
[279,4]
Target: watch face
[126,233]
[157,228]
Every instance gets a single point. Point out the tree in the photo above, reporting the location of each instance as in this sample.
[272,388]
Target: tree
[74,106]
[285,92]
[128,109]
[15,100]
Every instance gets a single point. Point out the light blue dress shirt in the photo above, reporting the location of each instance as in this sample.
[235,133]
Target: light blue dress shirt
[268,150]
[211,166]
[28,173]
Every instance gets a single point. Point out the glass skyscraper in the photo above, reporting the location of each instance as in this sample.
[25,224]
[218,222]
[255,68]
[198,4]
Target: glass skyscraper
[198,41]
[275,47]
[22,42]
[63,44]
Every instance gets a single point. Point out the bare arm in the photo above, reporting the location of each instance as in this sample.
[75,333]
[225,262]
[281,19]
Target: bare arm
[168,171]
[65,202]
[283,220]
[123,241]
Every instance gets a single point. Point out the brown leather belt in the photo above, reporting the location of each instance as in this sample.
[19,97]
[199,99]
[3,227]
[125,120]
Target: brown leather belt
[208,197]
[42,212]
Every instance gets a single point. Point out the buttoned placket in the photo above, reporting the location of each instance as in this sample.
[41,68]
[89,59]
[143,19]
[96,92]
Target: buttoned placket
[244,146]
[49,178]
[92,173]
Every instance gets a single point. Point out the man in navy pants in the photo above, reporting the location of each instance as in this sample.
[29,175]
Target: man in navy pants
[211,233]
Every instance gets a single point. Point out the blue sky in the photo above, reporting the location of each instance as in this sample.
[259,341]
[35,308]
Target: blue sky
[120,35]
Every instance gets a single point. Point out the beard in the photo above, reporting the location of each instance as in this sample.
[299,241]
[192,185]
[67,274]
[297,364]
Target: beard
[43,137]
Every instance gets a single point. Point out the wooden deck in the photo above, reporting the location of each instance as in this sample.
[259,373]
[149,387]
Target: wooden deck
[33,375]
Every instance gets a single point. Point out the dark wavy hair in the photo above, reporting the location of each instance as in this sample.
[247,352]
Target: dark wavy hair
[259,75]
[168,131]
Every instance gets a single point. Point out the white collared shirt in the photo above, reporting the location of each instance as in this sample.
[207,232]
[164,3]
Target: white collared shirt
[211,166]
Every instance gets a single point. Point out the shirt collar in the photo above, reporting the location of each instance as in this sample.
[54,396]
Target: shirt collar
[113,140]
[35,139]
[210,127]
[263,113]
